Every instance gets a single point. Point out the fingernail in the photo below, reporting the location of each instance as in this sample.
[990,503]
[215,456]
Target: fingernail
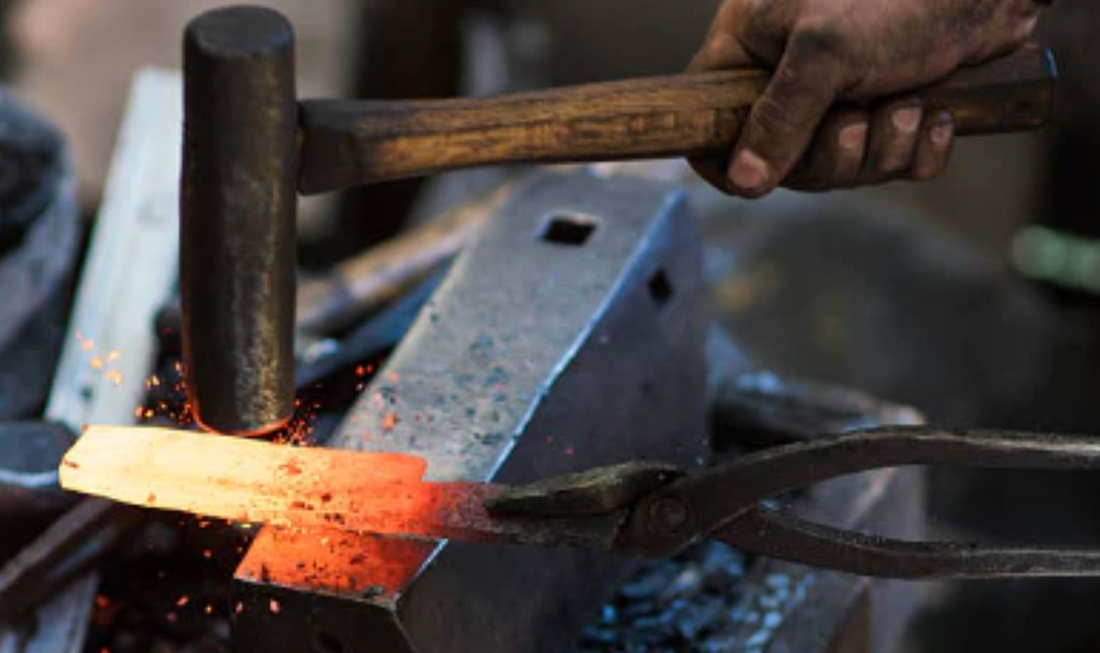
[942,132]
[749,171]
[907,119]
[852,137]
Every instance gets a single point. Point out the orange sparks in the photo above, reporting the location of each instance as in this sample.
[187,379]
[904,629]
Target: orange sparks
[183,600]
[102,363]
[389,421]
[274,606]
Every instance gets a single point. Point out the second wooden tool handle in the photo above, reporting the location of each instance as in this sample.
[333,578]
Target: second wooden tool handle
[351,143]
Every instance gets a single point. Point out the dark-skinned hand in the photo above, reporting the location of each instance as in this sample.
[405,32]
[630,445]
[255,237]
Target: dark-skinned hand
[822,122]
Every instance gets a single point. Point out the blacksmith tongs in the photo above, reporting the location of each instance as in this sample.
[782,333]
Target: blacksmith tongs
[641,509]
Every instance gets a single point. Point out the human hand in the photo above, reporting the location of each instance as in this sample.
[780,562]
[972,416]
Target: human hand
[846,55]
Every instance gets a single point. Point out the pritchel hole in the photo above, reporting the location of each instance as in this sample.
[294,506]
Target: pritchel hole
[660,288]
[568,229]
[326,642]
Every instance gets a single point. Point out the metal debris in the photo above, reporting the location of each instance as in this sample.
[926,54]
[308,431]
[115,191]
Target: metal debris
[679,605]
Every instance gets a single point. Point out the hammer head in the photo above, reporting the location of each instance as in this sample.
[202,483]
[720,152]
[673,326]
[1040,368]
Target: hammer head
[238,209]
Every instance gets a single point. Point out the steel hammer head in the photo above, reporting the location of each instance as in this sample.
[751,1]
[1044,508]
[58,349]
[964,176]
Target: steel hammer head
[238,210]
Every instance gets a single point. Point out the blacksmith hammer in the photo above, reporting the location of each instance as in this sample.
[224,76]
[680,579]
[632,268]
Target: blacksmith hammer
[250,146]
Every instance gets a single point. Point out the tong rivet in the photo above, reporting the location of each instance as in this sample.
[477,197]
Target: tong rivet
[669,515]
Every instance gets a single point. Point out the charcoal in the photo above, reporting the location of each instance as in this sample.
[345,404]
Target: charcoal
[672,605]
[649,584]
[702,618]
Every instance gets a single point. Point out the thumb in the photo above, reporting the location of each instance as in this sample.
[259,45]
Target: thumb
[782,122]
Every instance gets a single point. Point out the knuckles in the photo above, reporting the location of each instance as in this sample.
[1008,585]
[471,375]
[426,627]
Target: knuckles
[818,40]
[771,118]
[925,173]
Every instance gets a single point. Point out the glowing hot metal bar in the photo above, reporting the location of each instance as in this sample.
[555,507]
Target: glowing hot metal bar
[325,496]
[247,481]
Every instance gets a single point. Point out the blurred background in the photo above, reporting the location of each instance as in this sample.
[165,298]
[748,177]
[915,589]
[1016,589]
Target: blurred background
[971,297]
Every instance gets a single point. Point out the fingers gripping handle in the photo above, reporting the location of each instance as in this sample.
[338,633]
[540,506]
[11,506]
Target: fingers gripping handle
[350,143]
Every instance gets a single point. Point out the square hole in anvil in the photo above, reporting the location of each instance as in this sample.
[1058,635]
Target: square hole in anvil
[569,229]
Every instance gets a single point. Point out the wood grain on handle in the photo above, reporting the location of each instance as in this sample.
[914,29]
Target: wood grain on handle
[351,143]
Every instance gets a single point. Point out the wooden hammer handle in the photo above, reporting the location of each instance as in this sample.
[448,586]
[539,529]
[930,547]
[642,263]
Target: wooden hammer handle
[350,143]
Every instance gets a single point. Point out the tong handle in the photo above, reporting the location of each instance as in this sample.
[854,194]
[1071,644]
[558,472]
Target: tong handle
[348,143]
[699,505]
[774,534]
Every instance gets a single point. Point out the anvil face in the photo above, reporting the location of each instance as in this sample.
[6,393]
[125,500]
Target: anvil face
[569,335]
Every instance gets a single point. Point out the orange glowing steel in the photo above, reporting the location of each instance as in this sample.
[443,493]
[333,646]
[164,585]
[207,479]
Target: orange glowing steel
[304,489]
[334,561]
